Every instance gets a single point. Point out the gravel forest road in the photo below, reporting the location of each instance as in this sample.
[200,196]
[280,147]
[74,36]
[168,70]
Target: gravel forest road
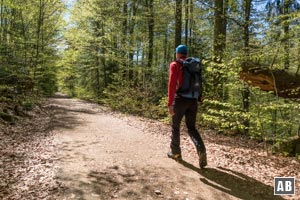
[105,155]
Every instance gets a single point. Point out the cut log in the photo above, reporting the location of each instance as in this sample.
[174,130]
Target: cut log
[282,83]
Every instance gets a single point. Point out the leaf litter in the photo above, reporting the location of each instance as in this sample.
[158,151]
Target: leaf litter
[27,157]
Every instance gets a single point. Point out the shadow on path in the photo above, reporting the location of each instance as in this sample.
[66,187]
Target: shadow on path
[66,118]
[234,183]
[63,118]
[119,182]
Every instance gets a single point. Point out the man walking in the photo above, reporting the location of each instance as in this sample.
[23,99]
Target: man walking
[183,104]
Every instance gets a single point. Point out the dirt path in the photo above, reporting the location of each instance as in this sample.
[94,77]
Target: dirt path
[72,149]
[103,155]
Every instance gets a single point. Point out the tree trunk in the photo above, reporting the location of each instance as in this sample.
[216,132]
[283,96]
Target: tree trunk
[219,47]
[246,91]
[131,30]
[286,40]
[150,33]
[219,37]
[178,22]
[131,40]
[124,38]
[187,16]
[2,22]
[103,60]
[166,44]
[298,68]
[124,32]
[191,6]
[38,32]
[224,25]
[97,72]
[3,34]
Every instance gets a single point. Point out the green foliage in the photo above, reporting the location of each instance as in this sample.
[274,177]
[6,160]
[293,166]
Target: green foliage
[288,147]
[28,105]
[107,52]
[29,35]
[223,116]
[128,97]
[6,117]
[274,119]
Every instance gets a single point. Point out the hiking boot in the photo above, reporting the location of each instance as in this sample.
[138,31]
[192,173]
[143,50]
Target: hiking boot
[202,160]
[175,156]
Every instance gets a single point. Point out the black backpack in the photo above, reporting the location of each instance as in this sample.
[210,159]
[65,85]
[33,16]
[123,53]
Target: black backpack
[192,77]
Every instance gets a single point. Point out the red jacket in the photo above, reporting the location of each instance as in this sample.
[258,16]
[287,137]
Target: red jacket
[175,80]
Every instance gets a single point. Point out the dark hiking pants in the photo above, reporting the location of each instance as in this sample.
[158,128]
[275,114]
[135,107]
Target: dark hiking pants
[185,107]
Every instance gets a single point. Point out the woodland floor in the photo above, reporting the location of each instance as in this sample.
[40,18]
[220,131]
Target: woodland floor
[73,149]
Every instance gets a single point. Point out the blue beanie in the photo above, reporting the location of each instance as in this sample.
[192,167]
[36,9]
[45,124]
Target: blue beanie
[182,49]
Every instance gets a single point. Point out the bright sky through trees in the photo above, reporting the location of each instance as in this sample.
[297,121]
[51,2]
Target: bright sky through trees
[69,4]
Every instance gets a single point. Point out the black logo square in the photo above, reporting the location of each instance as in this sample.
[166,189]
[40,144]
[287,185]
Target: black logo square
[284,185]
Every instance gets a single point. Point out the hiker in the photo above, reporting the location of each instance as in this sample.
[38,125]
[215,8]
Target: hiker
[183,104]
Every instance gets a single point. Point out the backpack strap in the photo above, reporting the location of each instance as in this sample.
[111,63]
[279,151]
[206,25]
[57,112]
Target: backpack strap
[179,61]
[181,64]
[179,68]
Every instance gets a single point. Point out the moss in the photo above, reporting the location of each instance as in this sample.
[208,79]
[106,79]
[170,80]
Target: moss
[7,117]
[289,147]
[28,106]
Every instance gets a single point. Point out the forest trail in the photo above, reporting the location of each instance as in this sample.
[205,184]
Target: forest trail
[104,155]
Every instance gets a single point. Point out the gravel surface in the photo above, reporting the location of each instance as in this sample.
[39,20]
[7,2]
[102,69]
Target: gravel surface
[72,149]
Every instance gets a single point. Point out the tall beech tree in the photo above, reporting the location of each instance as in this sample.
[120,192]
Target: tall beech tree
[246,36]
[219,44]
[178,22]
